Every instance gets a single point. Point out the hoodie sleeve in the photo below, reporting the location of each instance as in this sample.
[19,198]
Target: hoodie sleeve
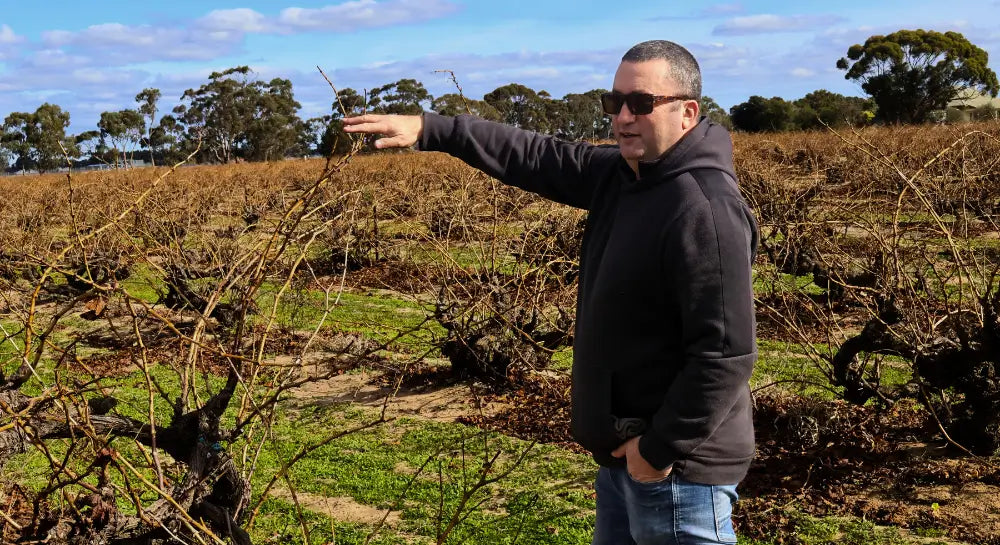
[552,168]
[707,260]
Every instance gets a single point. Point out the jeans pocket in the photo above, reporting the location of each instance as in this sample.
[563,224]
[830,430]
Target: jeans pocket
[723,498]
[635,481]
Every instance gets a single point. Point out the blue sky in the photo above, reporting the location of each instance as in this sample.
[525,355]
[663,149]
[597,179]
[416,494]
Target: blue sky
[90,57]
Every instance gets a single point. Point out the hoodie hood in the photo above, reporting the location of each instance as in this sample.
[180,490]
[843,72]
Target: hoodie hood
[706,146]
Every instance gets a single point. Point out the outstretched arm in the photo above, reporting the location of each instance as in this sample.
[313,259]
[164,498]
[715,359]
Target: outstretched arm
[399,131]
[541,164]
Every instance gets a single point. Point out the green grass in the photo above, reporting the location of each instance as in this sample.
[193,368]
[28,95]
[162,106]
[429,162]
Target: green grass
[144,283]
[402,228]
[467,256]
[462,255]
[546,498]
[968,244]
[10,347]
[548,494]
[562,360]
[279,524]
[930,532]
[378,317]
[810,530]
[839,531]
[790,365]
[770,281]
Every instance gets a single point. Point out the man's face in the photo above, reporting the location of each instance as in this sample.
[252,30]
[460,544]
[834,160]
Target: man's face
[646,137]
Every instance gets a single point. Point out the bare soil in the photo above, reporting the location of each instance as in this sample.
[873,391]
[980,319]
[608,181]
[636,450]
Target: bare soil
[440,403]
[340,508]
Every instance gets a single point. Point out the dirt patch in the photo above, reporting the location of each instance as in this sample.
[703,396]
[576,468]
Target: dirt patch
[833,458]
[441,403]
[15,510]
[969,510]
[535,410]
[395,275]
[339,508]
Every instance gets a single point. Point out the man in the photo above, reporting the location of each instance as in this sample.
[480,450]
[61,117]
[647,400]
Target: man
[665,341]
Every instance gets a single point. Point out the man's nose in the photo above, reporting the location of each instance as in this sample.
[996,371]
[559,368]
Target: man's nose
[625,115]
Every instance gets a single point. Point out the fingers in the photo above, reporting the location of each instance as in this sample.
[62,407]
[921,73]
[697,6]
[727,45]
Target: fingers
[394,142]
[368,124]
[399,131]
[366,118]
[623,448]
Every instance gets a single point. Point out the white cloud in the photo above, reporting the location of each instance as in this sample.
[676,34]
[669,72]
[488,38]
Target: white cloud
[720,59]
[803,72]
[84,92]
[54,59]
[7,36]
[116,44]
[9,42]
[239,20]
[364,14]
[56,76]
[344,17]
[834,43]
[556,72]
[603,62]
[768,23]
[222,32]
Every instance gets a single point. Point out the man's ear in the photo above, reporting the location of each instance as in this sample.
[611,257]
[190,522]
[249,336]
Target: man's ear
[691,114]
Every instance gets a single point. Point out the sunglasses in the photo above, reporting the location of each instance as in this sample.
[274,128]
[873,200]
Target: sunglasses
[638,103]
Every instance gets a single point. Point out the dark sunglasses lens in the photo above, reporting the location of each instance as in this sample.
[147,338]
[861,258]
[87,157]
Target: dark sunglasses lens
[612,103]
[640,103]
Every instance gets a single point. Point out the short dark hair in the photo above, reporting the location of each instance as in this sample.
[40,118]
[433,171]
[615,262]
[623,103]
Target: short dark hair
[683,67]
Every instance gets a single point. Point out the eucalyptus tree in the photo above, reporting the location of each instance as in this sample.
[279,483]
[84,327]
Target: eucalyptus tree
[234,116]
[519,106]
[711,109]
[455,104]
[124,129]
[406,96]
[329,130]
[274,130]
[37,140]
[759,114]
[582,117]
[148,99]
[911,73]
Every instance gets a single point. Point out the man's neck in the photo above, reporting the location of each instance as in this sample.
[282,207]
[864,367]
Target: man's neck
[634,165]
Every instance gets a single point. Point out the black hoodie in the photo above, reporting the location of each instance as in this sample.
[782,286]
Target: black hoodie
[665,333]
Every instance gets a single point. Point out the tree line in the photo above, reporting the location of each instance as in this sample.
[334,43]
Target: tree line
[909,75]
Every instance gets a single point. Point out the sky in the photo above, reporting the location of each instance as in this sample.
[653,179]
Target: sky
[90,57]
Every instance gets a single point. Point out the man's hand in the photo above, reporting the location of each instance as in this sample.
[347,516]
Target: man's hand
[638,467]
[399,131]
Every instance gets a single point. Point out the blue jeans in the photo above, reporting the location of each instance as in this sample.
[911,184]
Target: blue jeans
[668,512]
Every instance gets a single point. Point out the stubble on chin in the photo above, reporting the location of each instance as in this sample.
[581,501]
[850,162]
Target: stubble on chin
[631,153]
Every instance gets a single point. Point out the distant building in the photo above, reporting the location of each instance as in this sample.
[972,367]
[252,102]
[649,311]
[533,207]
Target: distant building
[972,105]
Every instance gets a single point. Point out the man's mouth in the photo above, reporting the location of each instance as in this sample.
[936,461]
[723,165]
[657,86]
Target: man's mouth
[628,134]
